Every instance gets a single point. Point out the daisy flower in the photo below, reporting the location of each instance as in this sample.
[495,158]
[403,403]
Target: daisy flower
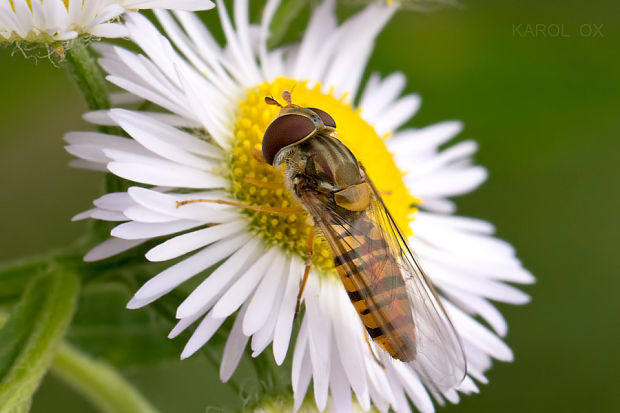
[202,144]
[46,21]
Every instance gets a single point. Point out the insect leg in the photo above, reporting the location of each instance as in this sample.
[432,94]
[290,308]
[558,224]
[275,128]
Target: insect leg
[258,155]
[262,184]
[260,208]
[304,280]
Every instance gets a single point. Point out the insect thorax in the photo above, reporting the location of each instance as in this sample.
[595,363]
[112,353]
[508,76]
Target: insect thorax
[323,163]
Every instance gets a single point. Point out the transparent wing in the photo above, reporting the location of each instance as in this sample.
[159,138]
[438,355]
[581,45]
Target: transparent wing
[440,359]
[386,281]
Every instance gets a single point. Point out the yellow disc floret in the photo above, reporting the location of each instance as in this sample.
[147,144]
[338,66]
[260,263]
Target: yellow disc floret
[257,183]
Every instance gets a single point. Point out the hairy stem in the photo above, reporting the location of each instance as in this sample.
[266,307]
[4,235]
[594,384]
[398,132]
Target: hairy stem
[87,75]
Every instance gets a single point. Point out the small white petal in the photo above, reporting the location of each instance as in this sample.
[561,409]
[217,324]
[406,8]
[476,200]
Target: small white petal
[284,324]
[303,383]
[451,182]
[263,300]
[203,333]
[166,204]
[319,341]
[189,5]
[235,344]
[339,387]
[240,290]
[170,278]
[185,243]
[472,331]
[108,215]
[216,284]
[299,353]
[140,230]
[111,247]
[109,30]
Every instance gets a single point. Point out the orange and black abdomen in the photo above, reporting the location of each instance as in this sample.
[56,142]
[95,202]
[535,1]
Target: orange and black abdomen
[375,285]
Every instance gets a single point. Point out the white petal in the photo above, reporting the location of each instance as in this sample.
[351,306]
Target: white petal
[299,353]
[284,325]
[114,201]
[140,230]
[344,331]
[240,291]
[397,114]
[214,286]
[463,223]
[472,331]
[205,330]
[449,182]
[166,174]
[166,204]
[109,30]
[476,305]
[235,344]
[379,94]
[264,336]
[185,243]
[189,5]
[263,300]
[401,403]
[339,387]
[144,215]
[162,139]
[108,215]
[319,342]
[170,278]
[478,286]
[303,383]
[414,388]
[407,143]
[110,247]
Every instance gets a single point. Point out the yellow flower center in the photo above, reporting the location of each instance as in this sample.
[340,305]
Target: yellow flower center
[290,231]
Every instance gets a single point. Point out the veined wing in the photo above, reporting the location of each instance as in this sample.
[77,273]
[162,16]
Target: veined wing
[390,290]
[440,358]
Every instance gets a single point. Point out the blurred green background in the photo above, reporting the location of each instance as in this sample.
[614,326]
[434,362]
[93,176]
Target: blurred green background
[545,111]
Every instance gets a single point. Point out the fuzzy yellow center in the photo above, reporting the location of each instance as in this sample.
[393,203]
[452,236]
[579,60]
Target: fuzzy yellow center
[290,231]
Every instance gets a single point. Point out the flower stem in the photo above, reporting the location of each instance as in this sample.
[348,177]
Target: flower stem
[102,385]
[89,78]
[83,67]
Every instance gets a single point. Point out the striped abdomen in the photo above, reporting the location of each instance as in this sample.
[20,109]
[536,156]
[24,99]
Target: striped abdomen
[375,285]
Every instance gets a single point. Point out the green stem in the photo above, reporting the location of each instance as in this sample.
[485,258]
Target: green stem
[103,386]
[90,79]
[83,67]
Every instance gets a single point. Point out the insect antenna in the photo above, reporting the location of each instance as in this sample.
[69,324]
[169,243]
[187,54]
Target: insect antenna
[271,101]
[286,95]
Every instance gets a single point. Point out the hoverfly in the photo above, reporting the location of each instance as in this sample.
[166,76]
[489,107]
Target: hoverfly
[382,276]
[384,279]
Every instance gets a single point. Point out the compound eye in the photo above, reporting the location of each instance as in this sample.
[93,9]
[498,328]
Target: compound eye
[284,131]
[325,117]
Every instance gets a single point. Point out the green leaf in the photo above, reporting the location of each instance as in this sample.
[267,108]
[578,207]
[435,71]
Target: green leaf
[31,336]
[104,328]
